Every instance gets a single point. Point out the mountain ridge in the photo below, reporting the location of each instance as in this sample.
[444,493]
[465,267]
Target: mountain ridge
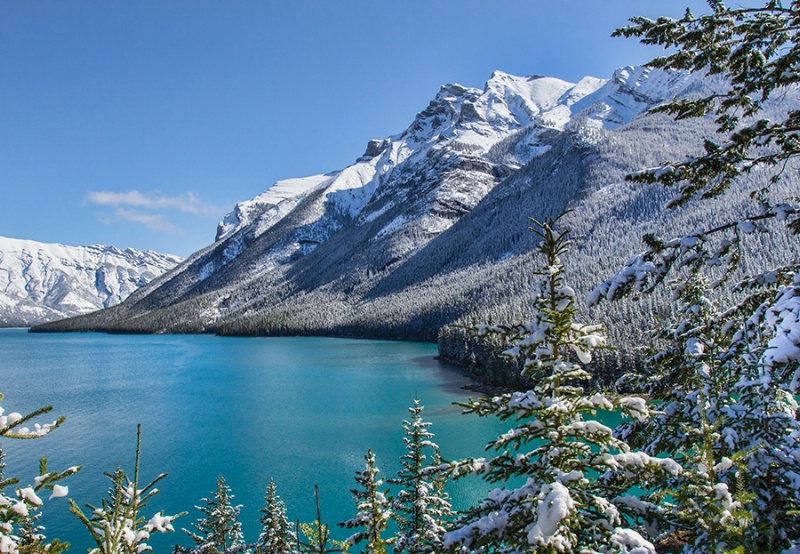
[429,227]
[453,116]
[44,282]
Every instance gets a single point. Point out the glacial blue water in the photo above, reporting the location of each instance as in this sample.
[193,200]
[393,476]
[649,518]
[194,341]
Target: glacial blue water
[299,410]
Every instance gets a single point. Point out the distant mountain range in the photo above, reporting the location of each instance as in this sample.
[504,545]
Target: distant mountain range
[44,282]
[430,226]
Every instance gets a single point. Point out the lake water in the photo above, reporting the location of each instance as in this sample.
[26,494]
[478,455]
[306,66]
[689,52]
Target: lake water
[300,410]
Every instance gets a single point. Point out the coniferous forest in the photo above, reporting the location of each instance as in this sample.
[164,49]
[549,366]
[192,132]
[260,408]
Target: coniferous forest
[707,458]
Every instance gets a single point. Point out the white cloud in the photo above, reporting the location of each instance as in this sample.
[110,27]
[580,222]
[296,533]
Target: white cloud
[152,209]
[187,203]
[154,222]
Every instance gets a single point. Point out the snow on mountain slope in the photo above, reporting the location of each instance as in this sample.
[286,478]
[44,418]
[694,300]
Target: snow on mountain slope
[468,121]
[330,241]
[42,282]
[284,191]
[460,123]
[630,92]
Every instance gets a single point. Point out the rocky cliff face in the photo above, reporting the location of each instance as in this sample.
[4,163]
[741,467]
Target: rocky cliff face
[429,226]
[44,282]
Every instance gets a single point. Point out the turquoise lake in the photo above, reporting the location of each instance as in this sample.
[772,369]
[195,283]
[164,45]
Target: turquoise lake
[299,410]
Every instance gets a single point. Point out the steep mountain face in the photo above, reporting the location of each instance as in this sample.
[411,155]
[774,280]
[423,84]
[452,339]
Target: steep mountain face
[429,226]
[44,282]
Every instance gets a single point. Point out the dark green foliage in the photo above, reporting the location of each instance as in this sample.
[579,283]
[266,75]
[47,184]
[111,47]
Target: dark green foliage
[19,511]
[729,372]
[422,507]
[572,480]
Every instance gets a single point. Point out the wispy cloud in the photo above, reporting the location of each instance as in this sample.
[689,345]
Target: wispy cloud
[154,222]
[151,210]
[187,203]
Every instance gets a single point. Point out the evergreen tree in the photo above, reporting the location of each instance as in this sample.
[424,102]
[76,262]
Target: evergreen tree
[19,511]
[374,510]
[730,424]
[731,372]
[763,422]
[117,526]
[578,480]
[421,507]
[220,529]
[692,426]
[277,534]
[317,535]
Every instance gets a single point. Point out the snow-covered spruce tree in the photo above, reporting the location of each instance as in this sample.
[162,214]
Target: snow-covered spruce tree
[764,420]
[374,510]
[421,507]
[317,534]
[19,511]
[727,417]
[757,49]
[117,526]
[694,385]
[277,533]
[219,530]
[578,493]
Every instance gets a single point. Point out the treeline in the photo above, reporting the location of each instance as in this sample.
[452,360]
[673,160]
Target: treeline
[483,355]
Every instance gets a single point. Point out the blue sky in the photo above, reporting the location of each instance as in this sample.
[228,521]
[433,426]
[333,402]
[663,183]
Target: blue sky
[140,123]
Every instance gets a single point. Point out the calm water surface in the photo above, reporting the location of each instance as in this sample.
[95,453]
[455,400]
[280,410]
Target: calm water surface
[300,410]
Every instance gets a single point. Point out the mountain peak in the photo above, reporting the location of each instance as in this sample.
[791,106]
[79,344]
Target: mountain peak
[632,90]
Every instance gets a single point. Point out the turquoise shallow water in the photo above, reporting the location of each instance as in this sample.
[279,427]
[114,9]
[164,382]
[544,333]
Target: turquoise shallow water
[301,410]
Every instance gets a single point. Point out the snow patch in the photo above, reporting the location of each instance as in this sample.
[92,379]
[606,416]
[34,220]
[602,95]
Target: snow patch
[244,213]
[555,505]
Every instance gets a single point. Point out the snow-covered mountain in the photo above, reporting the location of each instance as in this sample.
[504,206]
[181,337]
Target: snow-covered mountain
[429,226]
[44,282]
[463,123]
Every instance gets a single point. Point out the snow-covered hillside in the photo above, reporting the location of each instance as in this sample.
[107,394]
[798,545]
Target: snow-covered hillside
[43,282]
[429,226]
